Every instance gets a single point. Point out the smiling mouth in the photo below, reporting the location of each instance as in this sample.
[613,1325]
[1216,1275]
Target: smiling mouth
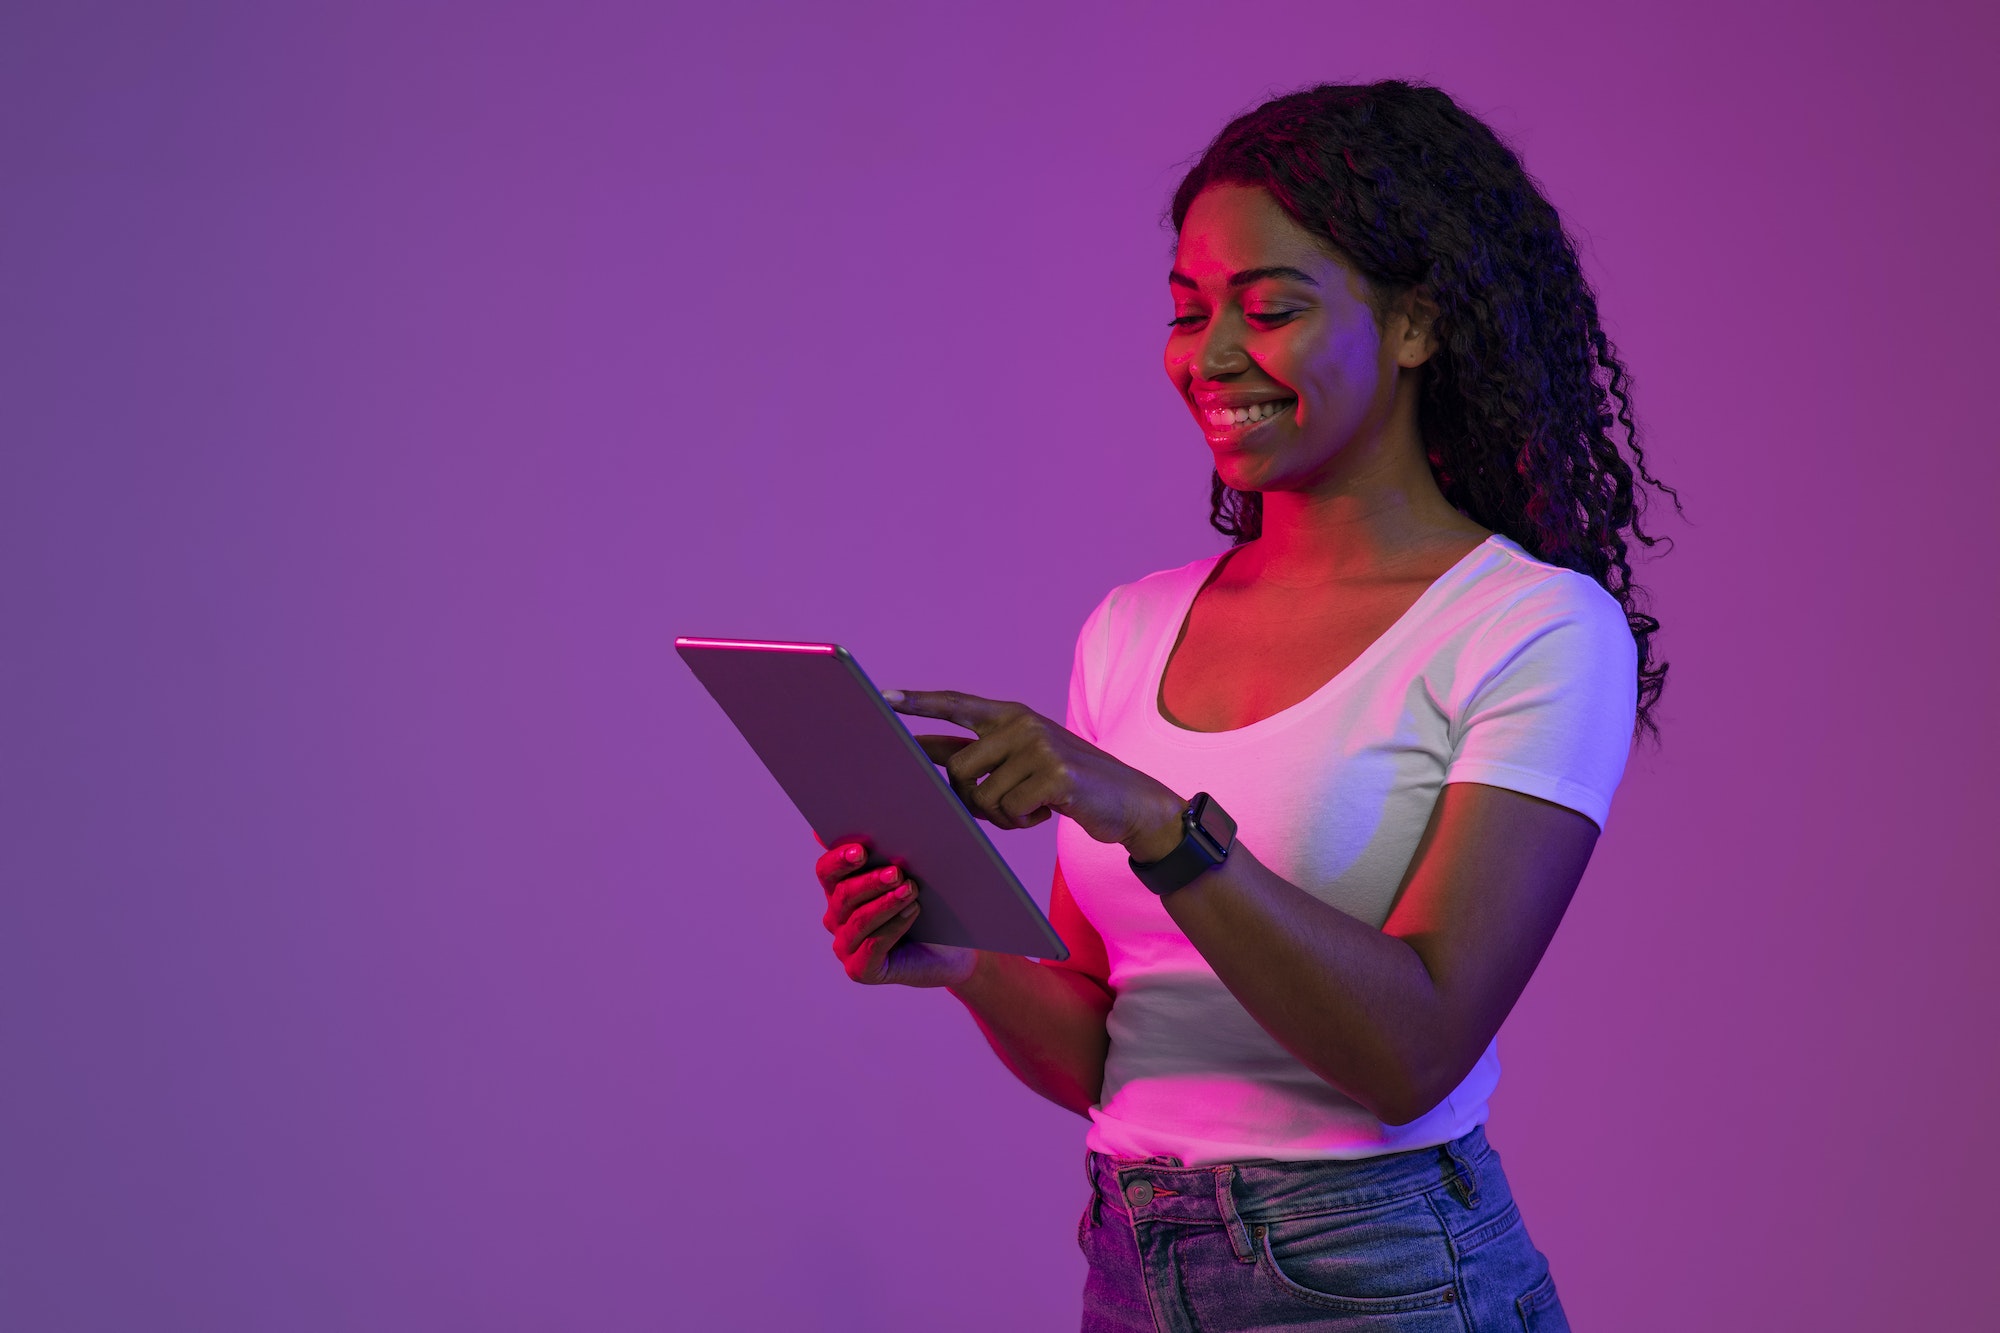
[1220,420]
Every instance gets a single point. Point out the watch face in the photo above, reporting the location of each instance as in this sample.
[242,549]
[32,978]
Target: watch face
[1214,821]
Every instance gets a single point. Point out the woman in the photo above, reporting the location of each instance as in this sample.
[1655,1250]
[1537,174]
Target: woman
[1409,685]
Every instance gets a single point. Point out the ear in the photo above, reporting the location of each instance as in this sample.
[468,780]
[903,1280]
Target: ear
[1413,327]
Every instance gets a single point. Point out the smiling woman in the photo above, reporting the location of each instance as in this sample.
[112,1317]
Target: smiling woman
[1431,219]
[1324,797]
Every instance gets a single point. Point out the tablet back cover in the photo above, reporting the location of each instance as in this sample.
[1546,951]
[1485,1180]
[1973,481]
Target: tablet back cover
[854,771]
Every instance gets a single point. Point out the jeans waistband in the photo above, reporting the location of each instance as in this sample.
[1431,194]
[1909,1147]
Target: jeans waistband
[1236,1194]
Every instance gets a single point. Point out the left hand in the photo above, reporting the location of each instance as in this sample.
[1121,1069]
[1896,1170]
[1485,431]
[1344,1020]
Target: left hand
[1021,768]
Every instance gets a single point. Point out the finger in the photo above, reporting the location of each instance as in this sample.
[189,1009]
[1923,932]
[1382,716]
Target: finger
[869,963]
[872,916]
[856,891]
[838,862]
[975,760]
[942,748]
[968,710]
[871,956]
[1029,801]
[992,798]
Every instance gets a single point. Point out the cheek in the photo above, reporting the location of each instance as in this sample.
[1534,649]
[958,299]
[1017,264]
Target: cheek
[1303,356]
[1346,369]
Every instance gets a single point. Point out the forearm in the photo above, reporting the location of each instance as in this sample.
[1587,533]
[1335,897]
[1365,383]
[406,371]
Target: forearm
[1045,1023]
[1356,1006]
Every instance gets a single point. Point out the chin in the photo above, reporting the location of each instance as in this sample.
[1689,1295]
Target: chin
[1239,473]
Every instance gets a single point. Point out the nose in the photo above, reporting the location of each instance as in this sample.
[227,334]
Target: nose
[1221,352]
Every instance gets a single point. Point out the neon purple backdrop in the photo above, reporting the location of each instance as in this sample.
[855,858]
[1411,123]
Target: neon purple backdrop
[394,937]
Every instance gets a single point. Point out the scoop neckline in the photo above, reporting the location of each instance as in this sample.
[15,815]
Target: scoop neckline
[1156,671]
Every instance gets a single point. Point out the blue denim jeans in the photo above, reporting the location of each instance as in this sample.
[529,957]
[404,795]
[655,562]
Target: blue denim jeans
[1422,1241]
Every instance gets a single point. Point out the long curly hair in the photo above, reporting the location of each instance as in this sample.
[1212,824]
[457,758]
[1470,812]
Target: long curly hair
[1525,405]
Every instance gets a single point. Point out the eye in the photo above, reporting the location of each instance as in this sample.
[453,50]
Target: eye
[1271,319]
[1185,321]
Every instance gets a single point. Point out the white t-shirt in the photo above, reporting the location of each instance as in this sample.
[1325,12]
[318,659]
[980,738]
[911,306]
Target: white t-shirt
[1507,671]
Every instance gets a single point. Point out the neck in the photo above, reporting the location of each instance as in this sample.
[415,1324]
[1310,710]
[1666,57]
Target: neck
[1380,513]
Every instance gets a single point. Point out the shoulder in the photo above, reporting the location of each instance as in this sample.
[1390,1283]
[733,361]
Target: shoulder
[1544,695]
[1122,637]
[1133,615]
[1548,640]
[1521,599]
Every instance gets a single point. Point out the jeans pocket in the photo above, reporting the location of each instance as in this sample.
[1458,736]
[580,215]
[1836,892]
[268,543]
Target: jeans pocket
[1540,1311]
[1388,1260]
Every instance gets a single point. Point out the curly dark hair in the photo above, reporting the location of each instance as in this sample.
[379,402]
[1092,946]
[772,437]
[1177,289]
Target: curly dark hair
[1523,403]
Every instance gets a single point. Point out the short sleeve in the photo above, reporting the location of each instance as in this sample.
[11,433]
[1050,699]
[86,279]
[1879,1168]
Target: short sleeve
[1086,674]
[1554,686]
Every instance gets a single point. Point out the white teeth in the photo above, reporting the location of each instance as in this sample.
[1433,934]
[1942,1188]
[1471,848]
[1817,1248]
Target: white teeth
[1239,416]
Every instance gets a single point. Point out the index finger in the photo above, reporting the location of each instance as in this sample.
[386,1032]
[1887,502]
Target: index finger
[967,710]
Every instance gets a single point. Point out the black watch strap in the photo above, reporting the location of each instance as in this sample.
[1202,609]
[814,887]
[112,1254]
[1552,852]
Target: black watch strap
[1207,834]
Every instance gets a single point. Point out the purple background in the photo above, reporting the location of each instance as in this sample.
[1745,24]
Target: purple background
[393,936]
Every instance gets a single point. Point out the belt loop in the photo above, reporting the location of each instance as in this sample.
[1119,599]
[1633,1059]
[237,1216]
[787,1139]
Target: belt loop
[1459,1175]
[1232,1222]
[1096,1195]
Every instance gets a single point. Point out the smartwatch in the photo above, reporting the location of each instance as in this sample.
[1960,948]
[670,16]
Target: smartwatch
[1207,833]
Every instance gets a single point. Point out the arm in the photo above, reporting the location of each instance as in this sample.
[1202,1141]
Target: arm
[1044,1020]
[1395,1017]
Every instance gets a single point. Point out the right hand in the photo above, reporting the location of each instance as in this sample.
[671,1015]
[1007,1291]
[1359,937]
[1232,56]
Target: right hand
[869,911]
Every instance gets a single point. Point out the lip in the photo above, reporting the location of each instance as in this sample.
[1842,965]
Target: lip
[1236,432]
[1208,399]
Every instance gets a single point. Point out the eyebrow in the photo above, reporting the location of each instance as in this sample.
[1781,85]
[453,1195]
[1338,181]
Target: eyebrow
[1250,275]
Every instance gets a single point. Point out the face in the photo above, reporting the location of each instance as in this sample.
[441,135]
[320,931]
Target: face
[1275,348]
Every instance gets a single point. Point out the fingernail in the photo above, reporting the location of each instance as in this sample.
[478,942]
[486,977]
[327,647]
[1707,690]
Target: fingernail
[850,853]
[889,875]
[893,696]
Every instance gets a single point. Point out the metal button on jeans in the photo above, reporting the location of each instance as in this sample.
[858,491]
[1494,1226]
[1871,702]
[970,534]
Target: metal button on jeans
[1139,1193]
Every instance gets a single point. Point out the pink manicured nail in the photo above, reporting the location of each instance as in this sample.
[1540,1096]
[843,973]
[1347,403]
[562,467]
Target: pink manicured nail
[850,853]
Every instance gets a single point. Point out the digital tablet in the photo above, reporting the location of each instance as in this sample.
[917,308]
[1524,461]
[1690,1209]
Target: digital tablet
[857,775]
